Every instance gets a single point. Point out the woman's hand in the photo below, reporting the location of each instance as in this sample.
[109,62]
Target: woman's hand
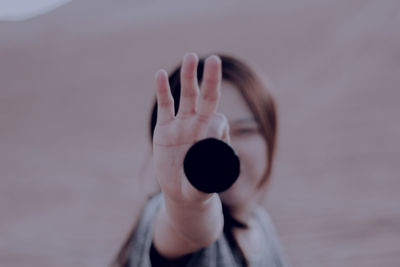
[188,219]
[196,119]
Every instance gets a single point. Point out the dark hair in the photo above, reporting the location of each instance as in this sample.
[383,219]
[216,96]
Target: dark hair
[259,101]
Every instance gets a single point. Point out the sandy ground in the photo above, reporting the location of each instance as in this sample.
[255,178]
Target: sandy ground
[75,96]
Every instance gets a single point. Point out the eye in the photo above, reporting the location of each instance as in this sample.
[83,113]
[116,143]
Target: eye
[245,131]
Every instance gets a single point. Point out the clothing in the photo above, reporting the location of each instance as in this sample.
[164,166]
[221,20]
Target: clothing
[220,253]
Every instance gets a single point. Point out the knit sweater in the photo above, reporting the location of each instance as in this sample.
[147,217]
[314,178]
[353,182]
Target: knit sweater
[220,253]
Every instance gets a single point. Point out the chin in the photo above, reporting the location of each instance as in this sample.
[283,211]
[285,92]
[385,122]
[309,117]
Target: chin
[232,197]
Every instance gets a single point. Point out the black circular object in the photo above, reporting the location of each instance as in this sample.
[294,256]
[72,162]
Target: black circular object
[211,165]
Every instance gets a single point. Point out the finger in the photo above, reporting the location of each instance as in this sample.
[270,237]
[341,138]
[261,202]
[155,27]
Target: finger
[165,102]
[210,87]
[226,136]
[189,86]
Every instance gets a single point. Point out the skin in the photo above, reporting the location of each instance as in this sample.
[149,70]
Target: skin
[188,219]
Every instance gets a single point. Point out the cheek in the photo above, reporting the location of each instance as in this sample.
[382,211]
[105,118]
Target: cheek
[253,158]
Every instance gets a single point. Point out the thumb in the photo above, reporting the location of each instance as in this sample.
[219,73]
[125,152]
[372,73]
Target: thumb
[218,128]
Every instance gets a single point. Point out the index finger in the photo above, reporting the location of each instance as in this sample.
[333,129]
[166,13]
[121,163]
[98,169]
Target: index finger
[165,101]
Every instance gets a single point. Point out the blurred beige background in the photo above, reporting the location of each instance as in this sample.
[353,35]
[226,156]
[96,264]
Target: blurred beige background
[76,87]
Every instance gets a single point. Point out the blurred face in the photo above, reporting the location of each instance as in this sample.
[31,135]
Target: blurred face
[248,143]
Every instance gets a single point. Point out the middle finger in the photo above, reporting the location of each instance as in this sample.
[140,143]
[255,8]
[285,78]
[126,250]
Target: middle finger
[189,86]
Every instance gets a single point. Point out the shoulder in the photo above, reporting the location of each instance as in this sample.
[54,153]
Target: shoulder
[152,205]
[267,225]
[271,236]
[140,244]
[148,213]
[264,219]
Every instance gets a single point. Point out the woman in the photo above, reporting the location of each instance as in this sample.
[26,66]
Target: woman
[183,226]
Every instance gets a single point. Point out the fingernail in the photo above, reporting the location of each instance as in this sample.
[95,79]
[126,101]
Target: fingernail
[159,73]
[214,58]
[189,55]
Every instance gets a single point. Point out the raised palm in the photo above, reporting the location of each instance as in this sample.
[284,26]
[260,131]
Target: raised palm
[196,119]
